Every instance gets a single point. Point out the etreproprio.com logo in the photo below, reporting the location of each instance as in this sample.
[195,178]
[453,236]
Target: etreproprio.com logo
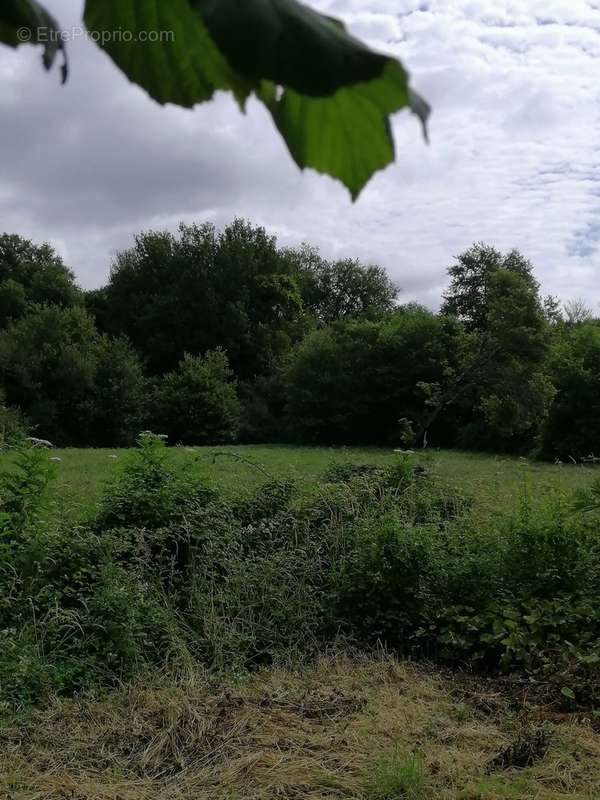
[45,35]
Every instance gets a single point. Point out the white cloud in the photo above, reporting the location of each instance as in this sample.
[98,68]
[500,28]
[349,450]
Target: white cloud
[514,157]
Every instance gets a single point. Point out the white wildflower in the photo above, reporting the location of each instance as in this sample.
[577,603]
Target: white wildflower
[39,442]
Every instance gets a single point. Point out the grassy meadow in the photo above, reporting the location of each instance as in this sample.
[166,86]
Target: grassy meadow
[495,482]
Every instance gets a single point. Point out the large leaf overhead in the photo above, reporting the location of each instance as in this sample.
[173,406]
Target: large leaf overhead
[348,135]
[289,44]
[329,94]
[182,66]
[27,22]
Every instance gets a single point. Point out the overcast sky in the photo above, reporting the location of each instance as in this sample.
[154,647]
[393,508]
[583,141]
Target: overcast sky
[514,158]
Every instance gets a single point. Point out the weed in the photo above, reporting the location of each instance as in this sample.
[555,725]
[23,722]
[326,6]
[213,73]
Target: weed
[397,777]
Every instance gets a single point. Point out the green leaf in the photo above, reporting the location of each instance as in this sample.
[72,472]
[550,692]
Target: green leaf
[348,135]
[333,114]
[181,64]
[27,22]
[567,692]
[593,658]
[336,93]
[290,44]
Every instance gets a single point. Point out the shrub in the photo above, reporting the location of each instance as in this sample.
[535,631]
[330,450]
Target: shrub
[344,472]
[572,429]
[263,408]
[512,597]
[78,607]
[118,408]
[168,569]
[149,493]
[354,380]
[197,404]
[23,490]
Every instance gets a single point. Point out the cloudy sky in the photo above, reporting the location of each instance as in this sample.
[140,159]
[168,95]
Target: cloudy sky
[514,158]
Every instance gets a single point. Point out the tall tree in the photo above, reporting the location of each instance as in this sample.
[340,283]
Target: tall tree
[504,387]
[577,311]
[204,289]
[361,381]
[332,290]
[467,298]
[32,274]
[117,411]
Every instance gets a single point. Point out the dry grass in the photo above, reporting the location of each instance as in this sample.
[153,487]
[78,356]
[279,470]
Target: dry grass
[314,733]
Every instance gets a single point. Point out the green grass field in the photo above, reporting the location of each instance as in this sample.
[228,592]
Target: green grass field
[494,482]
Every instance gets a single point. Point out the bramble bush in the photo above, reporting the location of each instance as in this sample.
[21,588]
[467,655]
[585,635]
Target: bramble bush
[168,571]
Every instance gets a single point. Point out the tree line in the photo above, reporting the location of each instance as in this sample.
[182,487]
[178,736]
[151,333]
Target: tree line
[211,336]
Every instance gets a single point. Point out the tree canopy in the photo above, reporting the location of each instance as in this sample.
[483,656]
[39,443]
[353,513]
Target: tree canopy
[214,335]
[31,274]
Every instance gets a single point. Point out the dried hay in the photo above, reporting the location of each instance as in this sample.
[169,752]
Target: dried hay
[313,734]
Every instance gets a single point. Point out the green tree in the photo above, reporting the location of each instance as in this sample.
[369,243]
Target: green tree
[505,389]
[32,274]
[47,368]
[363,381]
[75,386]
[572,429]
[197,403]
[332,290]
[327,384]
[472,274]
[117,409]
[204,289]
[96,303]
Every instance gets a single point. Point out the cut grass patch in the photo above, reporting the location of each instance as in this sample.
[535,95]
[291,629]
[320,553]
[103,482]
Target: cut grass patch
[367,729]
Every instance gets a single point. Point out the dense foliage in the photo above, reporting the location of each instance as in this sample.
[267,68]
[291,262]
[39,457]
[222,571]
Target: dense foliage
[217,335]
[497,300]
[201,290]
[356,380]
[167,570]
[74,385]
[573,427]
[29,275]
[197,403]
